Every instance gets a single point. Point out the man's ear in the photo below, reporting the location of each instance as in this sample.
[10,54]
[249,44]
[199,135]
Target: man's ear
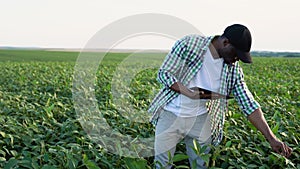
[225,41]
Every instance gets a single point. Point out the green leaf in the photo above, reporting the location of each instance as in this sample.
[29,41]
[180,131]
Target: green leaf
[205,158]
[196,146]
[182,166]
[11,140]
[180,157]
[263,167]
[275,128]
[228,144]
[12,162]
[60,104]
[2,159]
[135,163]
[284,134]
[88,163]
[169,157]
[72,162]
[46,157]
[48,167]
[2,152]
[14,153]
[252,166]
[2,134]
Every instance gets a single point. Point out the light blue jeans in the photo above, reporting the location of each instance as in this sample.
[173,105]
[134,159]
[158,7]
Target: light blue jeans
[171,129]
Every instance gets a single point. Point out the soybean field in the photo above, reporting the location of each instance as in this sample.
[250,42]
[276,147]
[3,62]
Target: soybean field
[42,125]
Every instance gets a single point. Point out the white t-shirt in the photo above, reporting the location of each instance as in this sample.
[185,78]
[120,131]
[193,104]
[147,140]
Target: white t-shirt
[208,77]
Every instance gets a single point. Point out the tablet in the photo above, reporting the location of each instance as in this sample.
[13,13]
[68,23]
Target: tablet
[208,93]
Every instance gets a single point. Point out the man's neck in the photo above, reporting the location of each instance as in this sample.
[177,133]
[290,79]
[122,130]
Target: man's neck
[214,46]
[214,52]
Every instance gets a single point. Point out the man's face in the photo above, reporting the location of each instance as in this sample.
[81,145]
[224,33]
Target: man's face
[228,53]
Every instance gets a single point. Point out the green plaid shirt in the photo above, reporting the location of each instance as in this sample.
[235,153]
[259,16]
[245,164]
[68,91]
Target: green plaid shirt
[182,63]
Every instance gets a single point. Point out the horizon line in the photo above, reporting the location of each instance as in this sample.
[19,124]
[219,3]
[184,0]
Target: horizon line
[117,50]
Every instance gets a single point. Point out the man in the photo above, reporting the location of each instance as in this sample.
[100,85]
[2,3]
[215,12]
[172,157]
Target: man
[184,110]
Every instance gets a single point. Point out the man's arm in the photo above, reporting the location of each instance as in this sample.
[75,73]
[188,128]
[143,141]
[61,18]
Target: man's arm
[169,71]
[252,109]
[258,120]
[180,88]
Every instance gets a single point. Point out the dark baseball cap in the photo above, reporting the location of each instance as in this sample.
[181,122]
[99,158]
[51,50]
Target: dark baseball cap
[240,37]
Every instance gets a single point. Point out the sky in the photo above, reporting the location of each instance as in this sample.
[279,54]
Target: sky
[274,24]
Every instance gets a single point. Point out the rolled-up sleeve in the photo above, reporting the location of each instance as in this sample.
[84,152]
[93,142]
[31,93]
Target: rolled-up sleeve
[244,97]
[170,69]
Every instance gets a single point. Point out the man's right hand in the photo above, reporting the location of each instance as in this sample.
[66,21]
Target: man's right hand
[194,94]
[180,88]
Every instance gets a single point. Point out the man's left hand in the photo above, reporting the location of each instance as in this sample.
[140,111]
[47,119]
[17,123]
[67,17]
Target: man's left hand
[281,148]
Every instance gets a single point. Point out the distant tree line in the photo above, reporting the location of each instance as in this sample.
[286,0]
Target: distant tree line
[275,54]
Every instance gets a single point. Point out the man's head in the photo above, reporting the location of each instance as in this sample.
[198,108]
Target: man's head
[236,44]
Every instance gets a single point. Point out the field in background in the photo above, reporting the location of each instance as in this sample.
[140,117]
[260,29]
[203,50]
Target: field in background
[40,129]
